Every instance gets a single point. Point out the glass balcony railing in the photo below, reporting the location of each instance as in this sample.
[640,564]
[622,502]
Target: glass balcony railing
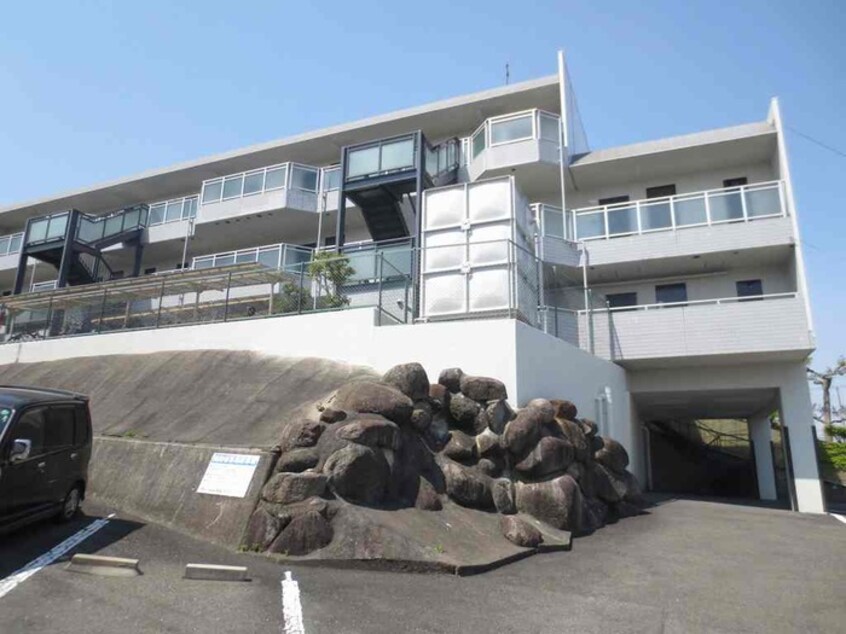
[266,179]
[399,154]
[552,222]
[11,244]
[274,256]
[511,128]
[93,229]
[173,210]
[47,228]
[734,204]
[330,178]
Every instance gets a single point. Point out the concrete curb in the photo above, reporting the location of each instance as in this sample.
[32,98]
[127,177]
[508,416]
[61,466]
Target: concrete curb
[212,572]
[107,566]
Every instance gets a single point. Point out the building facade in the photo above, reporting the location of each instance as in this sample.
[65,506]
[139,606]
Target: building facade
[650,282]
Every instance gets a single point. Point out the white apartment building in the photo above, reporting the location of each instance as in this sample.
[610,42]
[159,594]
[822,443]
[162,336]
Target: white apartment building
[670,288]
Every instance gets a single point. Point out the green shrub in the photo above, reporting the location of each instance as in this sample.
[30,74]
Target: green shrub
[833,453]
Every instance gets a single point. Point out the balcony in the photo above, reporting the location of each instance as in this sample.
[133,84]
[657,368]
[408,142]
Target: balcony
[529,139]
[10,248]
[750,216]
[274,256]
[771,327]
[285,186]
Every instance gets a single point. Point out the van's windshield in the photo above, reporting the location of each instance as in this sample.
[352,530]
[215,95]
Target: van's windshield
[5,417]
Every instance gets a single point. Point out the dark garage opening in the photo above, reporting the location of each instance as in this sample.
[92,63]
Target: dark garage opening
[712,458]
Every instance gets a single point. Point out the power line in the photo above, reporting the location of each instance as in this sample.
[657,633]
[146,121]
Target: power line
[813,140]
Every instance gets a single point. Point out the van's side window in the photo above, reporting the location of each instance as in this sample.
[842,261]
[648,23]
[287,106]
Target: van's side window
[81,435]
[31,427]
[60,427]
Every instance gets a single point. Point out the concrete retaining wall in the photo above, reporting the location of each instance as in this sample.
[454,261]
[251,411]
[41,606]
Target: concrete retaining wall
[158,482]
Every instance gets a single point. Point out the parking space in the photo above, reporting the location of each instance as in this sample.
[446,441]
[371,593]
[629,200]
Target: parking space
[686,566]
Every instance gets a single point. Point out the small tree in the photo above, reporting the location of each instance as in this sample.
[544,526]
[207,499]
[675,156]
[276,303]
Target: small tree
[331,272]
[826,415]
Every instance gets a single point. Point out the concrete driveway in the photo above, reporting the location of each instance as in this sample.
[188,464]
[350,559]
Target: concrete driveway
[687,566]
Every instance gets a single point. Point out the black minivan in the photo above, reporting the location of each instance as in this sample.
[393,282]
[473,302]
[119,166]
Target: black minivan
[45,447]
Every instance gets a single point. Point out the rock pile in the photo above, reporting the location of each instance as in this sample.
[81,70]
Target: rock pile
[403,442]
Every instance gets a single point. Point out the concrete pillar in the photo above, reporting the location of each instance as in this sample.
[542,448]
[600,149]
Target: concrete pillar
[796,413]
[761,434]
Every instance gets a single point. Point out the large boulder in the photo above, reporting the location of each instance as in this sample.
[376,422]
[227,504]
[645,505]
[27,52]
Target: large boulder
[451,379]
[499,414]
[330,415]
[594,514]
[575,435]
[544,409]
[372,397]
[520,532]
[298,459]
[590,427]
[427,497]
[524,432]
[612,455]
[467,486]
[262,529]
[301,433]
[410,379]
[607,485]
[439,397]
[287,488]
[488,444]
[502,490]
[464,411]
[358,473]
[421,417]
[460,447]
[371,430]
[492,467]
[304,534]
[482,389]
[556,502]
[551,455]
[564,409]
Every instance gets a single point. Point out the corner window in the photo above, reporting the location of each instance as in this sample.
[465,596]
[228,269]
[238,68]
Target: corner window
[621,300]
[750,289]
[671,293]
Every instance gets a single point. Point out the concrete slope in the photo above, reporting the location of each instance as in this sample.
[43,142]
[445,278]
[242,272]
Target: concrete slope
[234,399]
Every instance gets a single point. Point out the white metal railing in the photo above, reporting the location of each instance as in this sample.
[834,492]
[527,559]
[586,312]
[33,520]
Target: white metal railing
[274,256]
[511,128]
[173,210]
[11,243]
[43,286]
[717,206]
[696,302]
[265,179]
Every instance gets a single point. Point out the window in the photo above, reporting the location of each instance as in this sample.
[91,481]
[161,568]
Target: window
[329,241]
[671,293]
[60,428]
[82,432]
[511,130]
[613,200]
[735,182]
[621,300]
[750,288]
[5,417]
[31,427]
[661,191]
[303,178]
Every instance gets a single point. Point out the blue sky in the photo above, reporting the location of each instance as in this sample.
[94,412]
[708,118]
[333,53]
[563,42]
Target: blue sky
[91,91]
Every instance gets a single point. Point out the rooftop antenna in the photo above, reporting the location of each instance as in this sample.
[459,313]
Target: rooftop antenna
[507,73]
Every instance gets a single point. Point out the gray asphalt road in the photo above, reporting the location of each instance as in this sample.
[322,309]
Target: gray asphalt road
[687,566]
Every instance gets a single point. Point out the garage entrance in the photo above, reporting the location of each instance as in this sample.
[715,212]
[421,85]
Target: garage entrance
[711,458]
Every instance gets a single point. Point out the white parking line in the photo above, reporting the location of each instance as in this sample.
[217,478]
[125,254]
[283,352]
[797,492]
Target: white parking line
[292,610]
[839,517]
[19,576]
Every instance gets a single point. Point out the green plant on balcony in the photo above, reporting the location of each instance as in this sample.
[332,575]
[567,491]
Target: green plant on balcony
[331,272]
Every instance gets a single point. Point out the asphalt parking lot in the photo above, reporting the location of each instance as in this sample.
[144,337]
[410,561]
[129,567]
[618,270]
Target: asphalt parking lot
[686,566]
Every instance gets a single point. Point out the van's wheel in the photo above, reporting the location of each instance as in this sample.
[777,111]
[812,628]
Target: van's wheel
[70,507]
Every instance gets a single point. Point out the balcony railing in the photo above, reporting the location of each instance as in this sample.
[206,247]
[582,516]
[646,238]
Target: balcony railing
[399,154]
[173,210]
[696,302]
[90,229]
[274,256]
[266,179]
[11,243]
[718,206]
[511,128]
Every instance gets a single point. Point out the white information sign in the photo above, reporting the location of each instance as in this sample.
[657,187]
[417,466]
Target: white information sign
[229,474]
